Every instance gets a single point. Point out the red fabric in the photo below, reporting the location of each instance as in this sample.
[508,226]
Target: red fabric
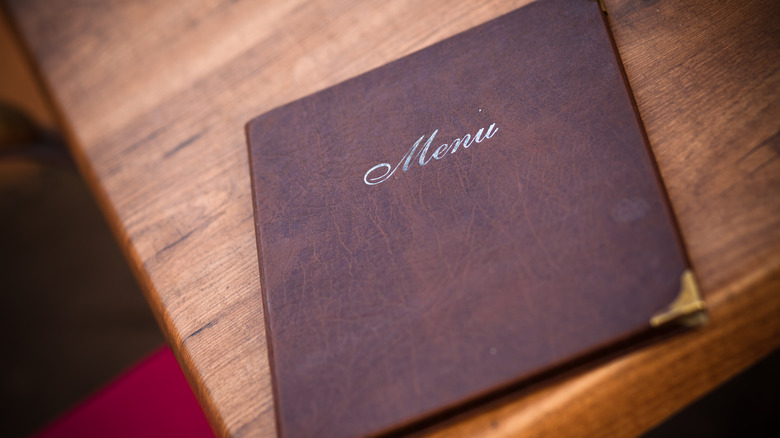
[152,399]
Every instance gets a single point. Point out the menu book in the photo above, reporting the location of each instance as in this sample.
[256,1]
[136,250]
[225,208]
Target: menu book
[458,221]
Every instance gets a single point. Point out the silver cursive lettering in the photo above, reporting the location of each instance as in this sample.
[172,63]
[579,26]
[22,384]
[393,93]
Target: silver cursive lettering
[385,170]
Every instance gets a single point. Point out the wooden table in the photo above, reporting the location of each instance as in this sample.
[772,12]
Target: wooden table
[154,96]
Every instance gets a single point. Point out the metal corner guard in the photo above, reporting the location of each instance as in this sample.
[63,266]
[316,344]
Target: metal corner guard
[687,309]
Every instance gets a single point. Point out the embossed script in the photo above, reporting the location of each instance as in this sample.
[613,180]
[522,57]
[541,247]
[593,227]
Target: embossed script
[383,171]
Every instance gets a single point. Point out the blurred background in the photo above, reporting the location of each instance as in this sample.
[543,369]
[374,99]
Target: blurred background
[74,317]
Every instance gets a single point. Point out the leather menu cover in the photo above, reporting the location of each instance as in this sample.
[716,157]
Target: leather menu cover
[456,221]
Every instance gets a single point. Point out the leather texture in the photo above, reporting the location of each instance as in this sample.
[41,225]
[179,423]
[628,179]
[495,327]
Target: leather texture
[477,267]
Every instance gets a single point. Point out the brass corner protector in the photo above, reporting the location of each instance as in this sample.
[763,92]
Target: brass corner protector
[601,3]
[687,309]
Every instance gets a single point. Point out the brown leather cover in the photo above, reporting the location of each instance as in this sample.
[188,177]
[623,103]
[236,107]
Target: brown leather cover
[450,272]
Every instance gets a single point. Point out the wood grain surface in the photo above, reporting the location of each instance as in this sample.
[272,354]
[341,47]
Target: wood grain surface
[155,96]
